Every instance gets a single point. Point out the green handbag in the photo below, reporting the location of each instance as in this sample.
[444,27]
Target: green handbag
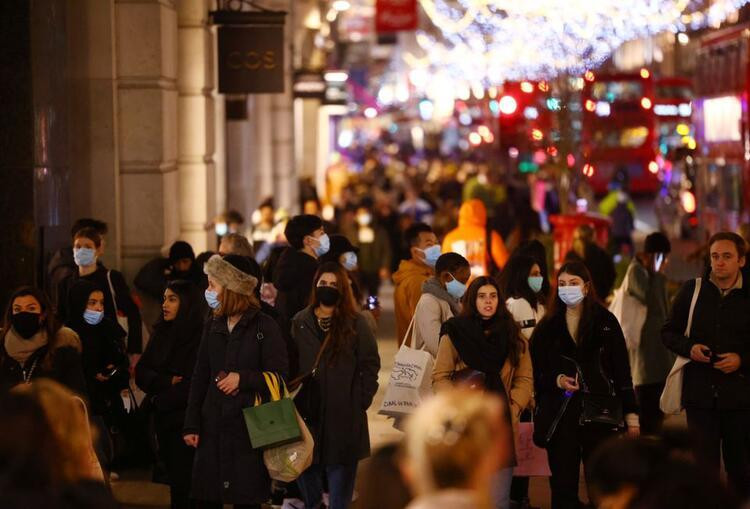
[273,423]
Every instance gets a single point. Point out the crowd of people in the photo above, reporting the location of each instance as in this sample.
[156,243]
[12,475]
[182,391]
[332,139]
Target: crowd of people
[95,378]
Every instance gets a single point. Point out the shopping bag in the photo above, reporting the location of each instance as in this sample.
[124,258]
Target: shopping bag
[532,460]
[287,462]
[629,311]
[410,381]
[670,401]
[273,423]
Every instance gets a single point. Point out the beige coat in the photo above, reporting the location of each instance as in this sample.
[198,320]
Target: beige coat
[518,381]
[429,317]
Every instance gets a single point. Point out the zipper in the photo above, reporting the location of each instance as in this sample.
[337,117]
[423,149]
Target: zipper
[556,421]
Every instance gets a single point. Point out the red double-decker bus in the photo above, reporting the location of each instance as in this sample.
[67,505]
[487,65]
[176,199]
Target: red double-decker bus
[722,129]
[618,134]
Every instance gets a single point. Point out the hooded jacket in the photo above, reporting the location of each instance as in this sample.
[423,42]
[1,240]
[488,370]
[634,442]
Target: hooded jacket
[408,281]
[470,239]
[434,308]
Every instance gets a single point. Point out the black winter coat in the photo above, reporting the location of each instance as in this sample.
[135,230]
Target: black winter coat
[347,387]
[227,469]
[601,267]
[63,364]
[723,325]
[601,352]
[293,278]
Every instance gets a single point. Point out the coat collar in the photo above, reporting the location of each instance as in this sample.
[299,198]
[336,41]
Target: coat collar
[219,324]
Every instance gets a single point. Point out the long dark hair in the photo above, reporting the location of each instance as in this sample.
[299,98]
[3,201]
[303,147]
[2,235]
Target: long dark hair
[513,280]
[557,307]
[190,313]
[342,329]
[50,324]
[535,249]
[516,345]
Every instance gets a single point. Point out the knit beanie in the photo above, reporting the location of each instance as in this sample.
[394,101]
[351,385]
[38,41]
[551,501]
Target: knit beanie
[180,250]
[232,272]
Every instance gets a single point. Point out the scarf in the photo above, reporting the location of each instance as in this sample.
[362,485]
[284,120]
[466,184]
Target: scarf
[433,287]
[485,352]
[20,349]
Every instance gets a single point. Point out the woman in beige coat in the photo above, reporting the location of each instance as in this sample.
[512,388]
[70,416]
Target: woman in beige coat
[483,346]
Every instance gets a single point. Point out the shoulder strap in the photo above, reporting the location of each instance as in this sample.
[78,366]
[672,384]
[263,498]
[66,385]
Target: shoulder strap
[409,336]
[295,383]
[696,292]
[112,290]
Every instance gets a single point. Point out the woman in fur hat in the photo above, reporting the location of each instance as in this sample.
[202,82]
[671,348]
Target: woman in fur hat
[239,343]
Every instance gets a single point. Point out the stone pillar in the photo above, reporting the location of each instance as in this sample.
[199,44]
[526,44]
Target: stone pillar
[146,54]
[195,111]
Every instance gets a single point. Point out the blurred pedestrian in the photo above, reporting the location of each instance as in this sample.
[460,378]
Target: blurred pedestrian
[384,468]
[237,244]
[578,347]
[294,272]
[35,345]
[88,246]
[483,247]
[415,206]
[484,342]
[412,273]
[455,444]
[597,260]
[650,361]
[487,186]
[263,229]
[374,251]
[715,386]
[335,398]
[164,372]
[239,344]
[440,301]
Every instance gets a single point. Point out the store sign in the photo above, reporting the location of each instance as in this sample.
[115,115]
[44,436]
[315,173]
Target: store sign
[395,15]
[251,59]
[721,119]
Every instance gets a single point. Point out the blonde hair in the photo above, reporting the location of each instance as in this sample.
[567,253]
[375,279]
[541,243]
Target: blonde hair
[233,303]
[68,419]
[447,437]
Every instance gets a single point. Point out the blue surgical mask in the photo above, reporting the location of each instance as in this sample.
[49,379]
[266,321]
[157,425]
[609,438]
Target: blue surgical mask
[93,317]
[456,288]
[350,261]
[431,255]
[535,283]
[323,246]
[84,256]
[212,298]
[571,295]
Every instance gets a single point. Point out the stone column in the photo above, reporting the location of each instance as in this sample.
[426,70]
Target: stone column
[146,52]
[195,111]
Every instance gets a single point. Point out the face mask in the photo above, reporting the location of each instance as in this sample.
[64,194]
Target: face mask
[212,298]
[364,219]
[323,246]
[93,317]
[84,257]
[326,295]
[25,324]
[221,229]
[431,255]
[571,295]
[535,283]
[456,288]
[350,261]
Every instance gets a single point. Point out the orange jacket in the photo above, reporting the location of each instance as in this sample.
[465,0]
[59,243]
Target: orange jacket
[470,237]
[408,281]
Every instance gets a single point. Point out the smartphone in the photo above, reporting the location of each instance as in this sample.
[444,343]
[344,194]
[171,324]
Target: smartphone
[113,372]
[221,375]
[372,303]
[714,357]
[658,261]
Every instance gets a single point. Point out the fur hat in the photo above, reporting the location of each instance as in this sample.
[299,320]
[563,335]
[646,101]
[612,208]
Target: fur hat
[229,275]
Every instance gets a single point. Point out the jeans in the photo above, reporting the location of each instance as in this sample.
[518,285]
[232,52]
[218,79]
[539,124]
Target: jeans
[340,485]
[501,482]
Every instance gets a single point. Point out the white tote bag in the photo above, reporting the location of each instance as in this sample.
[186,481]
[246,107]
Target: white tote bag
[411,379]
[671,397]
[630,312]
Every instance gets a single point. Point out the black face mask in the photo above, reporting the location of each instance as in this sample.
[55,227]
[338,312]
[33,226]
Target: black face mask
[327,295]
[26,324]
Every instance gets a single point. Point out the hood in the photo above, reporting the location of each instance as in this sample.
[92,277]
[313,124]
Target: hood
[472,213]
[292,268]
[78,297]
[410,268]
[433,287]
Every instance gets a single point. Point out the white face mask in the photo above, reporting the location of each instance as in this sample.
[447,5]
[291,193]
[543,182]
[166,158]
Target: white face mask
[350,261]
[571,295]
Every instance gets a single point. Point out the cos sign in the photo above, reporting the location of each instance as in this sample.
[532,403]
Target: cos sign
[251,59]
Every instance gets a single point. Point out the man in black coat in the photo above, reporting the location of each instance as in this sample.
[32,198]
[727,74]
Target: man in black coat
[293,275]
[716,384]
[596,259]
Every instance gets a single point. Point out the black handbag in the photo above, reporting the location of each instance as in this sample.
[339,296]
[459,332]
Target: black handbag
[308,391]
[599,409]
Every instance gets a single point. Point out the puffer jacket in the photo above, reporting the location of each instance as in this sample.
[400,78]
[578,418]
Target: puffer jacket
[470,239]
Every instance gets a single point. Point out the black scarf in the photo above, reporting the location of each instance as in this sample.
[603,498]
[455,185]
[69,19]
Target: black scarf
[482,345]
